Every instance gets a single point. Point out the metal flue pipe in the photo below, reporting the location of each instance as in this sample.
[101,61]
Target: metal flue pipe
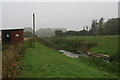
[33,29]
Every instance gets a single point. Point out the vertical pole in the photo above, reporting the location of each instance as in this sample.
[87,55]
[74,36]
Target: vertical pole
[96,28]
[33,29]
[87,30]
[96,33]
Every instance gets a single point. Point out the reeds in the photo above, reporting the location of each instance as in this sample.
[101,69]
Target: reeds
[11,59]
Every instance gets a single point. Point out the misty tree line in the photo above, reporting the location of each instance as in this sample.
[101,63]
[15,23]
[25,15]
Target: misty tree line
[98,27]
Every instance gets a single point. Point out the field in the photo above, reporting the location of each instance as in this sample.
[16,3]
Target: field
[105,44]
[44,62]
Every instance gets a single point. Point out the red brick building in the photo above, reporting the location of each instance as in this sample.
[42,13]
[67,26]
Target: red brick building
[10,35]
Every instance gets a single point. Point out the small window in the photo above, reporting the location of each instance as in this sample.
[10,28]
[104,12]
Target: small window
[17,35]
[7,35]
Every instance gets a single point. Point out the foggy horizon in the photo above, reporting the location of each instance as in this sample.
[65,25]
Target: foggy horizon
[71,16]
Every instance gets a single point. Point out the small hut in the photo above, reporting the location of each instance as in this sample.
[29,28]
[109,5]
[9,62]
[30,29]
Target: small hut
[12,35]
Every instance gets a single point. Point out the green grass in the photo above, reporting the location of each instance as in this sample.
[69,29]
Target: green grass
[44,62]
[105,44]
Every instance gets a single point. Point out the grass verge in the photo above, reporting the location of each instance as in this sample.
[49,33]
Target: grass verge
[44,62]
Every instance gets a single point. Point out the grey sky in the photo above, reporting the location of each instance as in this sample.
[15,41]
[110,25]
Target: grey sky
[0,14]
[69,15]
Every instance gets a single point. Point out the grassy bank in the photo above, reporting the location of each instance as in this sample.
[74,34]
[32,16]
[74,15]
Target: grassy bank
[105,44]
[111,67]
[44,62]
[100,44]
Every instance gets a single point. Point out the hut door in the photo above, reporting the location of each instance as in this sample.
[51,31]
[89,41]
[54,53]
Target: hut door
[7,36]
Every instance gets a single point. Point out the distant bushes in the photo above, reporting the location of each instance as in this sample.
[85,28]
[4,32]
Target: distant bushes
[31,42]
[28,34]
[47,43]
[81,45]
[11,59]
[98,27]
[74,45]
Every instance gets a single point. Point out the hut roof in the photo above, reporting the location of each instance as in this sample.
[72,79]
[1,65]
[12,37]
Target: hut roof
[11,28]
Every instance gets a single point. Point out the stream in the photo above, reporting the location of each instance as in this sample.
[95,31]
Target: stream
[89,55]
[70,54]
[73,55]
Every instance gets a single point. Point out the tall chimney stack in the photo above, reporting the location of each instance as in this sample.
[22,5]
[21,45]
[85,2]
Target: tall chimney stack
[33,25]
[33,30]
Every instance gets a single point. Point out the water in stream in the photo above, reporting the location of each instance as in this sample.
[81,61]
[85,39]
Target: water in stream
[70,54]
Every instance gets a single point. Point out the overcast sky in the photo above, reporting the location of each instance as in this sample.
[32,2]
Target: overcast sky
[69,15]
